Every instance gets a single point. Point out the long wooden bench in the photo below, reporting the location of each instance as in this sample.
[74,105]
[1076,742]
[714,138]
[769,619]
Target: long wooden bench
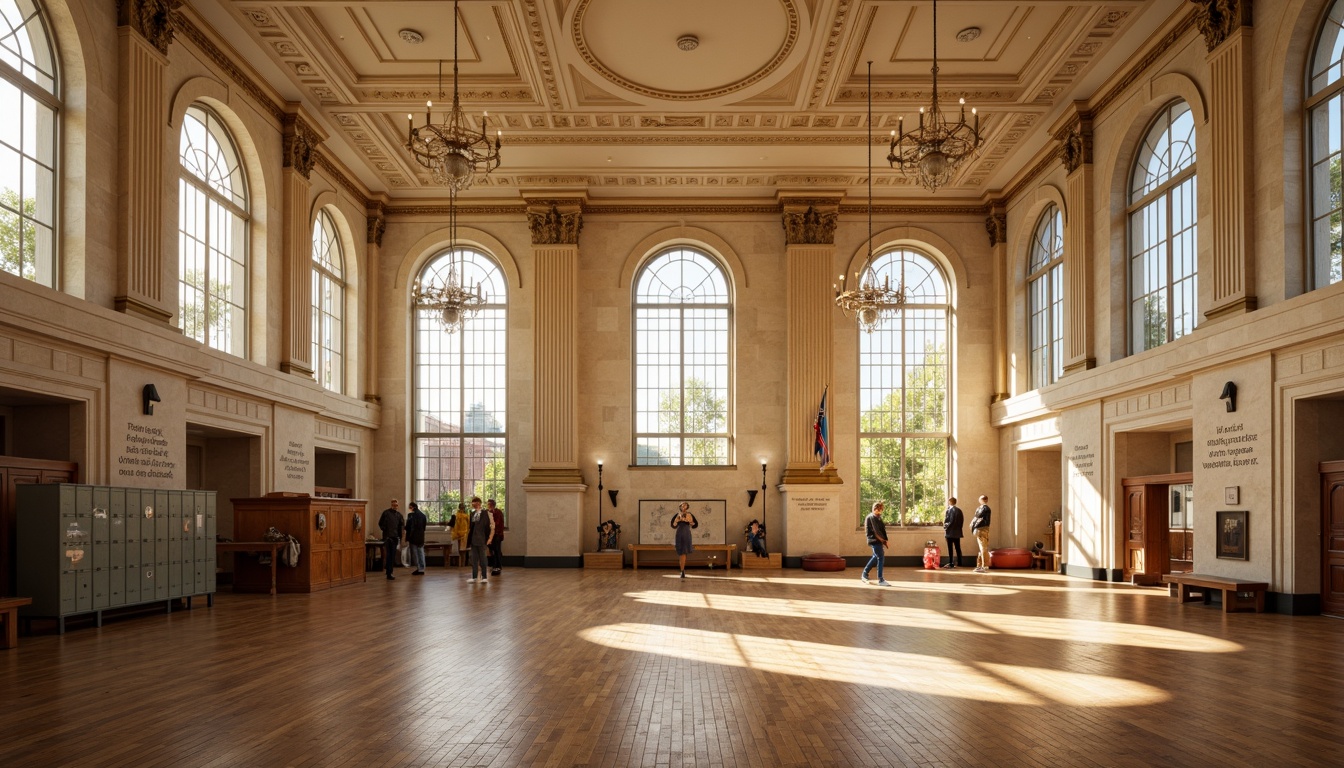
[1237,595]
[9,613]
[726,549]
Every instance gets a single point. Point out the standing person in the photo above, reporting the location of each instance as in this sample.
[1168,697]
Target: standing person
[479,536]
[683,522]
[391,524]
[416,522]
[980,529]
[460,526]
[952,522]
[496,544]
[876,529]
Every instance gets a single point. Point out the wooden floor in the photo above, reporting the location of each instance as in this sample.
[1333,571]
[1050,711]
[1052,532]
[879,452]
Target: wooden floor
[614,668]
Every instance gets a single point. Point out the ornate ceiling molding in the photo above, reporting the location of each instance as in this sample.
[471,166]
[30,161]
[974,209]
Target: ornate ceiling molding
[224,63]
[828,56]
[793,25]
[536,32]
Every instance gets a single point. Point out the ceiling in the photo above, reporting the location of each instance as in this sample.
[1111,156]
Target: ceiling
[598,95]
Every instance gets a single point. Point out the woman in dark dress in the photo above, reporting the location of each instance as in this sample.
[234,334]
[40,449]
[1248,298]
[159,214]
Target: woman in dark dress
[683,522]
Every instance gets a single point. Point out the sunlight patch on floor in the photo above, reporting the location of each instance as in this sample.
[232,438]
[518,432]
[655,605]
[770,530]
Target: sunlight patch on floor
[915,673]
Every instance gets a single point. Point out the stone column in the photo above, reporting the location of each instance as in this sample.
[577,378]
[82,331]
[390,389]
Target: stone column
[1075,151]
[300,153]
[810,495]
[145,29]
[996,224]
[377,225]
[1226,25]
[554,482]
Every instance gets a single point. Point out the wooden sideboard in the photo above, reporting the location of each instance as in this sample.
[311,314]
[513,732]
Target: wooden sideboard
[331,540]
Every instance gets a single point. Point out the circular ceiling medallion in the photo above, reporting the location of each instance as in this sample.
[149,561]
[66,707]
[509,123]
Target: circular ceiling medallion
[411,36]
[968,34]
[736,44]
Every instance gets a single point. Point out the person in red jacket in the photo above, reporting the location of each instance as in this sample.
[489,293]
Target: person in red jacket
[497,543]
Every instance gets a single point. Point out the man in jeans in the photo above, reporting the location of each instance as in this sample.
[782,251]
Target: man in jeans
[390,523]
[416,522]
[877,539]
[980,528]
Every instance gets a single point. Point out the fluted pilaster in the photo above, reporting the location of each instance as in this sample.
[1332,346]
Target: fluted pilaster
[996,225]
[301,139]
[1075,153]
[1230,193]
[141,273]
[377,225]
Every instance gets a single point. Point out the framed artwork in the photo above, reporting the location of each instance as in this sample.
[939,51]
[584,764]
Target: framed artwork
[1232,495]
[655,520]
[1233,535]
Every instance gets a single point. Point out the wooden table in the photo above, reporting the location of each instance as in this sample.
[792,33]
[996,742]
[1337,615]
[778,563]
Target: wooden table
[273,547]
[726,549]
[9,612]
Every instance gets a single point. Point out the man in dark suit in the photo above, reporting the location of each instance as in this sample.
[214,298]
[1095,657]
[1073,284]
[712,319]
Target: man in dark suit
[391,524]
[952,523]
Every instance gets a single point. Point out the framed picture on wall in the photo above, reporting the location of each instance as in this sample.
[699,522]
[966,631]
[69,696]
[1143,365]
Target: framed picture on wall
[1232,494]
[1233,536]
[655,520]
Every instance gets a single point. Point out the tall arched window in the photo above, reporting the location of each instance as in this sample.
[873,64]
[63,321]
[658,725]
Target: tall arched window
[1162,219]
[1045,284]
[212,234]
[683,353]
[460,427]
[1325,114]
[328,304]
[904,387]
[30,104]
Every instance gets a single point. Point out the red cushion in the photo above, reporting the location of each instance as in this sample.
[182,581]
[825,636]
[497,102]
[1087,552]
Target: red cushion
[1010,557]
[822,561]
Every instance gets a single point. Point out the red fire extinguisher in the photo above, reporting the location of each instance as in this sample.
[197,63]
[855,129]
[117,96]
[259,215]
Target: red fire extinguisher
[932,555]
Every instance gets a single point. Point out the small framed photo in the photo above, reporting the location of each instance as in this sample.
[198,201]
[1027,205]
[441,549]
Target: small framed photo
[1233,542]
[1232,495]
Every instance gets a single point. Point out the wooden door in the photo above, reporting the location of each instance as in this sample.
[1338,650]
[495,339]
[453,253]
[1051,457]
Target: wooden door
[1332,538]
[1135,530]
[14,472]
[1147,527]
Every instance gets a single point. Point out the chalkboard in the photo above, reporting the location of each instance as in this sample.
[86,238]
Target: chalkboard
[655,520]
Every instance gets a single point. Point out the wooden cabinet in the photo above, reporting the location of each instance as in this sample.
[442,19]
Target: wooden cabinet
[331,541]
[15,471]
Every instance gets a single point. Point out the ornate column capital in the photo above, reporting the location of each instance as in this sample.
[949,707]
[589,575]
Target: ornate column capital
[811,226]
[300,144]
[996,224]
[1218,19]
[552,226]
[1075,144]
[377,226]
[151,19]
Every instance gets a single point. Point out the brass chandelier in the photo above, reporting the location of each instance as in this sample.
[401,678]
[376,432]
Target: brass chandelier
[453,302]
[872,301]
[934,151]
[455,153]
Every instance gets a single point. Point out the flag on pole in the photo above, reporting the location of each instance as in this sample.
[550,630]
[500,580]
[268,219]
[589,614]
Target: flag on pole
[821,446]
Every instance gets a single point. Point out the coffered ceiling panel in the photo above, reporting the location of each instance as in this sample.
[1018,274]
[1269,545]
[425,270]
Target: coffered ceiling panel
[643,97]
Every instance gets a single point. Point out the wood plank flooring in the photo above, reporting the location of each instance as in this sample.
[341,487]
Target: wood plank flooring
[616,668]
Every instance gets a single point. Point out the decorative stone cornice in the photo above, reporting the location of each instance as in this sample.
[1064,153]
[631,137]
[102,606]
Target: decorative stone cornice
[1218,19]
[552,227]
[300,149]
[996,224]
[152,19]
[810,227]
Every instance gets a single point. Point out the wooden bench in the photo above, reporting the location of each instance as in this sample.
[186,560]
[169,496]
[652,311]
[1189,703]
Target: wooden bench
[1237,595]
[447,548]
[726,549]
[9,613]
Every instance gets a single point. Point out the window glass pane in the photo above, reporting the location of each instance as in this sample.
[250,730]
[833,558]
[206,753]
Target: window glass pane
[682,361]
[27,146]
[328,298]
[1047,249]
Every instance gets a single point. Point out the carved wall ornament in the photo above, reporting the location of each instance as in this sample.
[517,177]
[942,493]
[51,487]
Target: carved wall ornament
[377,226]
[1218,19]
[300,148]
[997,226]
[152,19]
[1075,148]
[810,227]
[555,228]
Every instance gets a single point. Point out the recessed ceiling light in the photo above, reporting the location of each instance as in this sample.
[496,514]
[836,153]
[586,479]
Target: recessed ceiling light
[688,42]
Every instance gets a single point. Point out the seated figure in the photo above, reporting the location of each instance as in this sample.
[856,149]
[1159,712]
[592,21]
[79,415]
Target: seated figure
[608,536]
[755,533]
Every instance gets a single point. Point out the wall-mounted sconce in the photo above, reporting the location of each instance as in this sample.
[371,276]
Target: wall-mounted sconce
[751,496]
[612,495]
[1230,395]
[151,396]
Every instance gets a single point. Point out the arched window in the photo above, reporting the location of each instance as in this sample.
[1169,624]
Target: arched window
[212,234]
[1045,285]
[683,353]
[904,387]
[1325,111]
[328,304]
[1162,219]
[31,105]
[460,427]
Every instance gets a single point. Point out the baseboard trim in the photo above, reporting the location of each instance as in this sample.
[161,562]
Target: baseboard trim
[1290,604]
[553,562]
